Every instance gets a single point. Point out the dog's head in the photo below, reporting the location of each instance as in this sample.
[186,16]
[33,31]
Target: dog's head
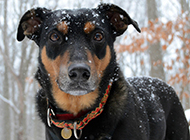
[76,56]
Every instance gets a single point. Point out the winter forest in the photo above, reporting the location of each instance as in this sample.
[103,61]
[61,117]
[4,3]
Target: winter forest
[161,50]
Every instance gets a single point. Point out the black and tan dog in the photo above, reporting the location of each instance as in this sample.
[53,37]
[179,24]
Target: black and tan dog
[84,95]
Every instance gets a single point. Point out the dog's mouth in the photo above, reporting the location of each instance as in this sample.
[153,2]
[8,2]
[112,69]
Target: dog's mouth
[76,88]
[77,92]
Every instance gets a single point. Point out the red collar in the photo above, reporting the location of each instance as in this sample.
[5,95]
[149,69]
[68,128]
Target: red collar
[66,120]
[68,116]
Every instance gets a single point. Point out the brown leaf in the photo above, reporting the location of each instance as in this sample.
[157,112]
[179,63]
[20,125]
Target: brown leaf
[142,62]
[164,47]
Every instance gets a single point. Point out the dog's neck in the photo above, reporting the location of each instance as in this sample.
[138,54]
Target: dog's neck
[64,115]
[62,119]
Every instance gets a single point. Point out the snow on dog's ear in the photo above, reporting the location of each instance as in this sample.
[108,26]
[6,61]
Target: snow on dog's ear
[118,18]
[30,24]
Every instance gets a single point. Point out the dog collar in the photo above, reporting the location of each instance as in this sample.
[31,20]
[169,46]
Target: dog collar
[78,122]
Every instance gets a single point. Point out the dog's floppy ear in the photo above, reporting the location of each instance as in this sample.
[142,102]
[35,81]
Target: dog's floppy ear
[118,18]
[30,23]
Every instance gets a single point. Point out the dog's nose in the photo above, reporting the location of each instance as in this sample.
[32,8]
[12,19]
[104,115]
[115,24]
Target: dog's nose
[79,72]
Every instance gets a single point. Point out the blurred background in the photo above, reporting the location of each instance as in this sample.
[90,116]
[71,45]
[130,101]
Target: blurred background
[162,50]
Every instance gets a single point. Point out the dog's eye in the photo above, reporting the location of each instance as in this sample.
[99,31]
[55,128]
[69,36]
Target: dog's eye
[54,37]
[98,36]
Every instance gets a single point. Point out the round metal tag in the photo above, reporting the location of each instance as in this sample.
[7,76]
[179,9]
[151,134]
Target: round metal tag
[66,133]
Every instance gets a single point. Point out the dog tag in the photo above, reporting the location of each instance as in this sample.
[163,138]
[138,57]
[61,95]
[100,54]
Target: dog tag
[66,133]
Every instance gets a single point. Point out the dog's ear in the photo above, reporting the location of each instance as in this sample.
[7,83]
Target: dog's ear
[30,24]
[118,18]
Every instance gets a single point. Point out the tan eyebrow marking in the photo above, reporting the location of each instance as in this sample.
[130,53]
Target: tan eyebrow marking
[63,27]
[89,27]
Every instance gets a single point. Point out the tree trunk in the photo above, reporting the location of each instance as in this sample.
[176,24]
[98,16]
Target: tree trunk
[155,51]
[184,5]
[6,108]
[185,88]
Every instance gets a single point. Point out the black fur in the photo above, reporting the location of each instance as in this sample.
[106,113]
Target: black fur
[137,108]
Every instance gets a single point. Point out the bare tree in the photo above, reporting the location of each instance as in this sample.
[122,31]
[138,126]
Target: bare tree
[155,51]
[6,108]
[17,60]
[185,5]
[185,8]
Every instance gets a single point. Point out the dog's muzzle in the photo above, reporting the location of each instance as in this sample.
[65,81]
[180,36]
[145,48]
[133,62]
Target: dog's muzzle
[77,79]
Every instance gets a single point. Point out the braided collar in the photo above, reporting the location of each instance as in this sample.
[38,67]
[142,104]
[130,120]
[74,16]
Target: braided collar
[80,120]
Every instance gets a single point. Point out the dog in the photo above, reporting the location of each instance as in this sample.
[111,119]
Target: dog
[84,94]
